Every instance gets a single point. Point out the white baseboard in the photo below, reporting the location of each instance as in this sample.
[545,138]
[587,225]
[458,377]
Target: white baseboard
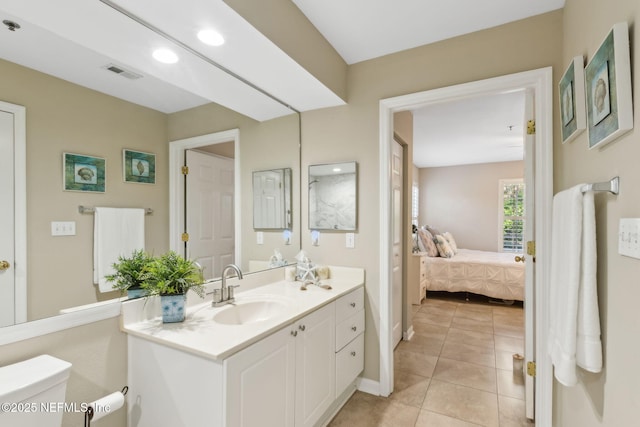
[368,386]
[408,334]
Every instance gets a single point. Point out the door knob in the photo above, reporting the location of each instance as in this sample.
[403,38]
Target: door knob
[519,258]
[4,265]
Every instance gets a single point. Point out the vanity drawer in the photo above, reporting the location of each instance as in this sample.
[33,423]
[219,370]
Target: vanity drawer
[349,363]
[349,328]
[349,304]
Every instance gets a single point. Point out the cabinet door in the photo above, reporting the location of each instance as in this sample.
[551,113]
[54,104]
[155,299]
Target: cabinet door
[315,363]
[260,383]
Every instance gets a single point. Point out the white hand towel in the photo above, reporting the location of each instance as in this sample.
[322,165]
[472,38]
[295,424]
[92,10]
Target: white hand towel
[588,345]
[116,232]
[574,323]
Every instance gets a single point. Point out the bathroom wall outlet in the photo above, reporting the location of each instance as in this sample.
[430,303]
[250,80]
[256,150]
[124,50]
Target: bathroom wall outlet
[350,240]
[260,238]
[629,237]
[315,238]
[63,228]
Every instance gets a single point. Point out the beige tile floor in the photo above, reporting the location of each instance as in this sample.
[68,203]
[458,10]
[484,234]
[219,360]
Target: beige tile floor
[455,372]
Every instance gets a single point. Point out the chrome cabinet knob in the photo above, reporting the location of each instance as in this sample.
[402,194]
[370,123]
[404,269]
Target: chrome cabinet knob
[353,304]
[302,327]
[294,333]
[354,328]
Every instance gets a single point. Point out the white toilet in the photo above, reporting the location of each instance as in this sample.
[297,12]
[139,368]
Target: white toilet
[32,392]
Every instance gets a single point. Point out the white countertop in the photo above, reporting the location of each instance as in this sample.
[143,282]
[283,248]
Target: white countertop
[200,334]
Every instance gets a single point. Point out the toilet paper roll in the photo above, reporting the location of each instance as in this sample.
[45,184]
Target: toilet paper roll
[106,405]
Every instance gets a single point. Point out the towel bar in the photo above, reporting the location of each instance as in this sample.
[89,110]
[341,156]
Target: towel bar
[612,186]
[90,210]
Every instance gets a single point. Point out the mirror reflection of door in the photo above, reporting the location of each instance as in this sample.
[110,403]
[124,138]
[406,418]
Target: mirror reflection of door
[6,220]
[272,199]
[209,208]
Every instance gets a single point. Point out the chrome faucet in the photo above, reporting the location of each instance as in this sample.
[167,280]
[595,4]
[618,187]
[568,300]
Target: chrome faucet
[224,295]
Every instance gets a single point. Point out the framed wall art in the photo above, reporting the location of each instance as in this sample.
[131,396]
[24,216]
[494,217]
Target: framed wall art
[572,100]
[83,173]
[608,88]
[139,167]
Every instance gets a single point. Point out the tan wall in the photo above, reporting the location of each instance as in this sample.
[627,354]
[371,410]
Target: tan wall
[351,132]
[464,200]
[98,353]
[63,117]
[610,398]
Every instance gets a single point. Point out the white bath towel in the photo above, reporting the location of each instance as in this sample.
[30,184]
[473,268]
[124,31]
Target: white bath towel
[116,232]
[574,335]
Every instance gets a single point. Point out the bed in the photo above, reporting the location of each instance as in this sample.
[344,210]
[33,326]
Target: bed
[494,274]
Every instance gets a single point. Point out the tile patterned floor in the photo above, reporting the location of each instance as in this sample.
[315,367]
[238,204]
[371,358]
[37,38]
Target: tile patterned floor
[455,372]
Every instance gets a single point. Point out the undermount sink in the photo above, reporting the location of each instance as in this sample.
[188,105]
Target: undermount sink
[247,312]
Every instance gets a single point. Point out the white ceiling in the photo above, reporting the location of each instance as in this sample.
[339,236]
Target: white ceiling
[365,29]
[476,130]
[75,39]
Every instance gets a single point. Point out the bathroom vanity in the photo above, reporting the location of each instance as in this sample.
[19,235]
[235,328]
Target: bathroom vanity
[278,357]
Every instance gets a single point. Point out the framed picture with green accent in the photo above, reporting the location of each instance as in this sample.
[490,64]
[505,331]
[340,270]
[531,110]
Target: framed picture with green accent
[83,173]
[608,88]
[139,167]
[573,119]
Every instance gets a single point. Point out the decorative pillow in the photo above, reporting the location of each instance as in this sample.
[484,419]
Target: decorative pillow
[427,241]
[418,243]
[443,246]
[451,241]
[434,231]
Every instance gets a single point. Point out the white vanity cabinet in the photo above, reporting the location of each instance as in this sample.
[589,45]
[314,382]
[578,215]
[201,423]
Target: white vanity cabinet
[349,345]
[285,379]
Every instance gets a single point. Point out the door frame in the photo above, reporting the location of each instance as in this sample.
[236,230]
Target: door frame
[176,187]
[541,82]
[19,208]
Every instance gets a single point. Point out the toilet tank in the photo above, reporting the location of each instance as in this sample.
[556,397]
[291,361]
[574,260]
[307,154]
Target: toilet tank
[32,392]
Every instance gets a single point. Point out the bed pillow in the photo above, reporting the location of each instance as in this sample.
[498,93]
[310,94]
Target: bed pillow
[434,231]
[451,241]
[426,239]
[444,249]
[418,243]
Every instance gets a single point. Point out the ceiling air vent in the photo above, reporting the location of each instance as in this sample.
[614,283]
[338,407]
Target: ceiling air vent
[122,71]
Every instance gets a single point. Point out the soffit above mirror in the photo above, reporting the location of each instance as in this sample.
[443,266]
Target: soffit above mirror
[75,40]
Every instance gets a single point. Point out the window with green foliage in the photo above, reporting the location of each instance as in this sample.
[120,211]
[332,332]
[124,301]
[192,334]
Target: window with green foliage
[512,215]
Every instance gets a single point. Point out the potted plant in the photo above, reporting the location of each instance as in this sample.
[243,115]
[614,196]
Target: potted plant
[130,273]
[171,276]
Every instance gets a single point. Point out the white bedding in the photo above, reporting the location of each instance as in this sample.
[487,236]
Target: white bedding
[494,274]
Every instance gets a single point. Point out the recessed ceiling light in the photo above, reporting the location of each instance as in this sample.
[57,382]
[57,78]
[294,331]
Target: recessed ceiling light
[337,169]
[165,56]
[211,37]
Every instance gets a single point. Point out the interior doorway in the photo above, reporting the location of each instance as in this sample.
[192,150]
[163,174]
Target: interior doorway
[540,83]
[13,215]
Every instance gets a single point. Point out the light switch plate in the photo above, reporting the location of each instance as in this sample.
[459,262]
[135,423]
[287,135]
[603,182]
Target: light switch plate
[628,237]
[63,228]
[260,238]
[350,240]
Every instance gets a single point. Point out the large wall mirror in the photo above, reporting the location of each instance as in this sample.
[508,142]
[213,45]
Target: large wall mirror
[333,196]
[65,117]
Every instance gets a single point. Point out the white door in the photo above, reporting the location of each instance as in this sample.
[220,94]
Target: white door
[268,199]
[7,243]
[529,233]
[396,217]
[209,211]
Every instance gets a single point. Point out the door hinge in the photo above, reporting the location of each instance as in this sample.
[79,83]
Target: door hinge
[531,369]
[531,247]
[185,170]
[531,127]
[185,237]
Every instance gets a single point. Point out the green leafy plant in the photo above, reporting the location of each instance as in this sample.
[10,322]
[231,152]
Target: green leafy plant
[171,274]
[130,272]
